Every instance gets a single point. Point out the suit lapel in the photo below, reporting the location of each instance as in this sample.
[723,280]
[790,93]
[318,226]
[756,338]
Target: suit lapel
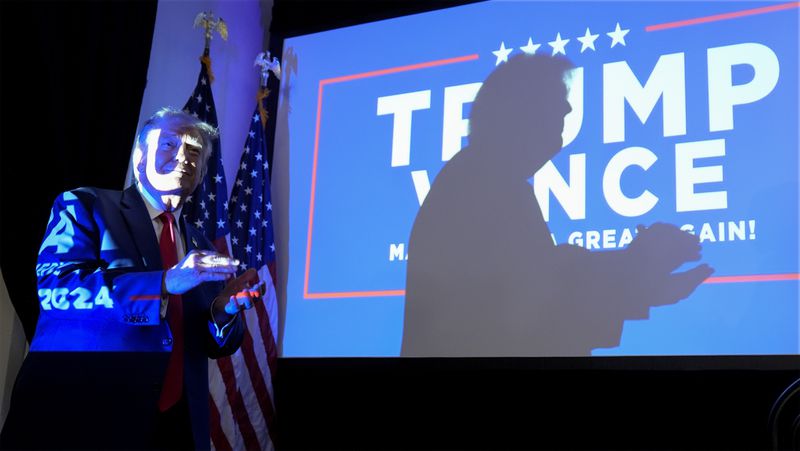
[141,228]
[193,238]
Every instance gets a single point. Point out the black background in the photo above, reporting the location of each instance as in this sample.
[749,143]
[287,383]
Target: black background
[72,76]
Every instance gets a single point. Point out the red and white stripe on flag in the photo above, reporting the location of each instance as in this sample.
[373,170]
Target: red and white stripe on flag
[242,406]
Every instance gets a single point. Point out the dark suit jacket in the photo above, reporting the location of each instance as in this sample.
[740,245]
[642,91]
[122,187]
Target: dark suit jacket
[99,355]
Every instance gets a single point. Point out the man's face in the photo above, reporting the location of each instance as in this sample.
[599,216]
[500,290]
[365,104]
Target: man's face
[169,169]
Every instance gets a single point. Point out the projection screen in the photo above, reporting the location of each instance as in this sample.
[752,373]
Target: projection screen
[667,224]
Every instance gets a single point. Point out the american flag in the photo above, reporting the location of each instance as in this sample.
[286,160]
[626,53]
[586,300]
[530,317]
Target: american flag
[253,244]
[205,208]
[240,393]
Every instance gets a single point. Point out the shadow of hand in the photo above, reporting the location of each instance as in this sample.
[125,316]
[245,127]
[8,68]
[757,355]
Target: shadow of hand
[681,285]
[665,246]
[659,250]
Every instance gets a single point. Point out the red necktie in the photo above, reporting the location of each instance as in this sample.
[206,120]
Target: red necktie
[173,381]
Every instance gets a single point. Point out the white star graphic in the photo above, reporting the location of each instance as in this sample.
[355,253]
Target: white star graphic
[252,134]
[189,199]
[225,205]
[198,223]
[248,248]
[255,118]
[530,48]
[269,206]
[195,115]
[239,223]
[246,149]
[558,45]
[253,173]
[502,54]
[244,165]
[234,199]
[205,213]
[587,40]
[220,223]
[218,178]
[239,182]
[243,266]
[199,98]
[272,247]
[252,231]
[212,196]
[235,240]
[258,256]
[208,108]
[244,207]
[266,165]
[203,81]
[258,157]
[264,223]
[257,214]
[617,36]
[203,204]
[248,191]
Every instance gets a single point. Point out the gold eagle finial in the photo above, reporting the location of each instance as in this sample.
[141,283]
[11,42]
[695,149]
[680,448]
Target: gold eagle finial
[211,23]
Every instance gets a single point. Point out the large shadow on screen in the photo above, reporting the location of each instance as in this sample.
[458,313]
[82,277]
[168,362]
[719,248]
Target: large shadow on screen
[484,277]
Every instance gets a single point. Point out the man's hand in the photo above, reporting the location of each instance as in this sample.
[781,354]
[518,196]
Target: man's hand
[239,294]
[197,267]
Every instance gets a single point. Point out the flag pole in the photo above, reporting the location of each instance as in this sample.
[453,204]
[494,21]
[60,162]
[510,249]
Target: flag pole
[253,244]
[206,208]
[210,23]
[267,65]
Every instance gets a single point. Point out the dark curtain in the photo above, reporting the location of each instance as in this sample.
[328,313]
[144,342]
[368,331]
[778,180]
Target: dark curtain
[72,75]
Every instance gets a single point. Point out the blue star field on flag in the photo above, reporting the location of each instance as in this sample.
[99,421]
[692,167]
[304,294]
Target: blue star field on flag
[206,208]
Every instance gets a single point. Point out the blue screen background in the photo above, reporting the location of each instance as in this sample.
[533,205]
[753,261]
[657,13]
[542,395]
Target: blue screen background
[362,204]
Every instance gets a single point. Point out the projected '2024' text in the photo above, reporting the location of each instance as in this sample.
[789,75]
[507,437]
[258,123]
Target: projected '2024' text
[79,298]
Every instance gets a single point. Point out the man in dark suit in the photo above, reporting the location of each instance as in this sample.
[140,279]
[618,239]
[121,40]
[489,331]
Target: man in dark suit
[132,305]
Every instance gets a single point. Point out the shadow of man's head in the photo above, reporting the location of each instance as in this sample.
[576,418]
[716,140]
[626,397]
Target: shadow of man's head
[518,115]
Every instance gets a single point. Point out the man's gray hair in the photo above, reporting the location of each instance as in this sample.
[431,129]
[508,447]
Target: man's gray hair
[185,122]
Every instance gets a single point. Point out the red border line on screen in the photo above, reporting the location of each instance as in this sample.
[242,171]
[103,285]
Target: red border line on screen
[710,280]
[394,70]
[753,278]
[377,293]
[322,84]
[725,16]
[355,294]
